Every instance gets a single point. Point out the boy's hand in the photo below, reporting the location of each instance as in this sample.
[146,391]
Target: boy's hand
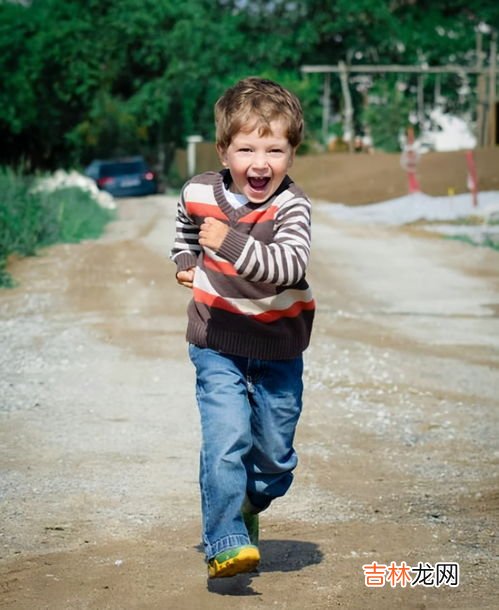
[186,277]
[212,233]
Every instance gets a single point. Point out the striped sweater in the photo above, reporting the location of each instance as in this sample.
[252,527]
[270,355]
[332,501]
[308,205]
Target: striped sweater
[250,298]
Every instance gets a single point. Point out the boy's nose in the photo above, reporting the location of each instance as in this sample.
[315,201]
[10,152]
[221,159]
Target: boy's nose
[260,160]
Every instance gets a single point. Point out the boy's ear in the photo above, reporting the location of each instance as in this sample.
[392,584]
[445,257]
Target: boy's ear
[222,155]
[292,157]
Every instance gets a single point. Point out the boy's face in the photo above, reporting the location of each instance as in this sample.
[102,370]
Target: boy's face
[258,164]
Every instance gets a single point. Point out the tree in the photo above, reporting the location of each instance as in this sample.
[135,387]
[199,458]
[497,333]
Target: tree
[82,77]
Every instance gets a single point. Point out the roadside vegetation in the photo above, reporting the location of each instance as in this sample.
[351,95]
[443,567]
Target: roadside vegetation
[483,237]
[31,218]
[486,242]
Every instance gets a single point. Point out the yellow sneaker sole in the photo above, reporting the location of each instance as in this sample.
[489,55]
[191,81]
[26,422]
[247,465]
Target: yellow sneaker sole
[246,560]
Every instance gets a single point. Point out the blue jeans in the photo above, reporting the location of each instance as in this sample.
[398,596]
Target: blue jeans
[249,410]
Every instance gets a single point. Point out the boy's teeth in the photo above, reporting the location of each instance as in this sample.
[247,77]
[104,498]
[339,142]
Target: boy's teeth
[258,183]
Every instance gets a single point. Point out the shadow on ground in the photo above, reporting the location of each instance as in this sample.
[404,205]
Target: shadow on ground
[277,556]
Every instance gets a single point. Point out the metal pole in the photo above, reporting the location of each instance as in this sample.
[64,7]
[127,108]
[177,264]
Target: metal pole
[382,68]
[326,107]
[437,91]
[492,90]
[348,104]
[480,90]
[421,102]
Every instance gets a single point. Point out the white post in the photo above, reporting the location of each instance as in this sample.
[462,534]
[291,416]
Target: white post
[191,154]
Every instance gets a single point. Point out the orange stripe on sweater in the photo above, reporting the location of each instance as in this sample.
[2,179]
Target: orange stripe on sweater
[268,316]
[257,216]
[204,210]
[221,266]
[213,301]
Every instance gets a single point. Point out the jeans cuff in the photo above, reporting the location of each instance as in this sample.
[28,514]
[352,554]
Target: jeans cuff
[225,543]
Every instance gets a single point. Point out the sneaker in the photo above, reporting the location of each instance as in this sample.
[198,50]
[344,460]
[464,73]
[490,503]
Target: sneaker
[251,522]
[234,561]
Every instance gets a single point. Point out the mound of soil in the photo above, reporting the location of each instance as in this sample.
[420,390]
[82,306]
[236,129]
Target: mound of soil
[358,179]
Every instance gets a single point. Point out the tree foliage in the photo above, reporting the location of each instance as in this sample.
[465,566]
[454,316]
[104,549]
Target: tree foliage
[82,78]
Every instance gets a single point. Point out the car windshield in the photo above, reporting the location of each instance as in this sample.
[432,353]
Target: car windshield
[122,168]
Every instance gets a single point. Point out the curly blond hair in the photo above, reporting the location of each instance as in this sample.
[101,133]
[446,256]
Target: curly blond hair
[254,103]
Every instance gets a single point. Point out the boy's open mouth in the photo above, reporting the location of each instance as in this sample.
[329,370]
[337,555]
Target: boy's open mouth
[258,184]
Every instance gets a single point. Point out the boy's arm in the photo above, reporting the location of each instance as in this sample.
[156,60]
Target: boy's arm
[186,246]
[284,261]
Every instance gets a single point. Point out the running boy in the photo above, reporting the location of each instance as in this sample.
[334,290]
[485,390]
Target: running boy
[242,244]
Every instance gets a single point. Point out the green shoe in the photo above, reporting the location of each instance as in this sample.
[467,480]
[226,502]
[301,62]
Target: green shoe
[234,561]
[251,522]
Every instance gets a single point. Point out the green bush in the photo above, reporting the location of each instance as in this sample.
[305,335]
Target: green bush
[30,219]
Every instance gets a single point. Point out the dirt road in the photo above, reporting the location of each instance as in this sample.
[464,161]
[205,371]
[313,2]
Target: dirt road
[398,441]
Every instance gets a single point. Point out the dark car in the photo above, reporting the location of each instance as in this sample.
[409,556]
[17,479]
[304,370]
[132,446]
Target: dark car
[127,177]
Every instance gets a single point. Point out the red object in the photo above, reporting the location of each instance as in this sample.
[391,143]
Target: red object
[411,162]
[413,183]
[102,181]
[472,177]
[149,176]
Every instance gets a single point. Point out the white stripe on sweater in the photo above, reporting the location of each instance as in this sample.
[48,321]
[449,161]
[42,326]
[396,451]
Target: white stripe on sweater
[278,302]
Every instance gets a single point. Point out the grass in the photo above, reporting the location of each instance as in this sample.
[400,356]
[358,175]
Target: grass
[486,243]
[30,220]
